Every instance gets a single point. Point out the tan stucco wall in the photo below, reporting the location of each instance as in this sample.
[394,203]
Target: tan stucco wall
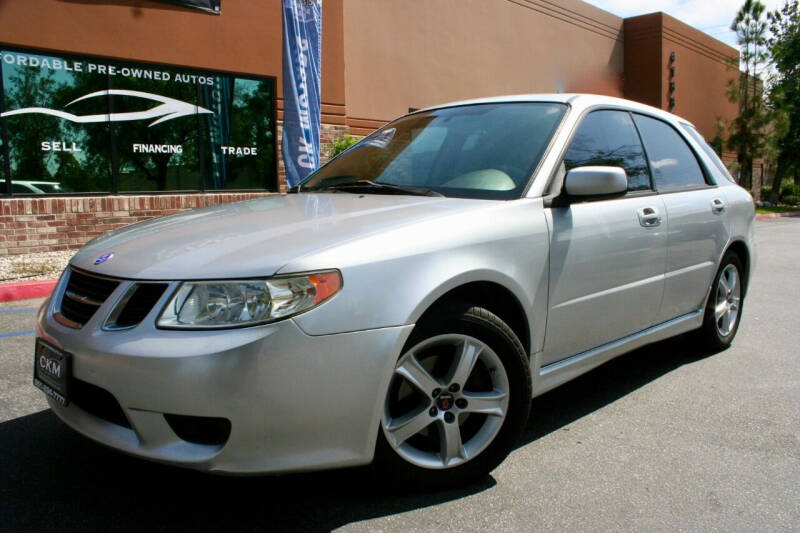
[702,74]
[702,70]
[417,53]
[642,65]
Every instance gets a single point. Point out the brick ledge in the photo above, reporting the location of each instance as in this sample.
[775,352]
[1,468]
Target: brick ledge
[34,225]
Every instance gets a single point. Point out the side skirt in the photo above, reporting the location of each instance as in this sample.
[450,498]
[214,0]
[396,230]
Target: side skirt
[558,373]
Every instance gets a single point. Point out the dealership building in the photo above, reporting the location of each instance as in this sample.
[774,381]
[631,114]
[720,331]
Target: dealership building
[202,101]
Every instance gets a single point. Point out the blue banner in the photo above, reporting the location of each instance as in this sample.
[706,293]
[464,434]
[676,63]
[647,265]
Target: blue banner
[302,74]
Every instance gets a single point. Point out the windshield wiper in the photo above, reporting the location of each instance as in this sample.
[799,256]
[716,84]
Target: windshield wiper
[380,188]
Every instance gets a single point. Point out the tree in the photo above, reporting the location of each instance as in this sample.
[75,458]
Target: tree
[785,90]
[748,130]
[30,88]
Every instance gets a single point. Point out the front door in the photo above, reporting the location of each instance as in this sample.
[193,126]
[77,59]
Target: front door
[607,256]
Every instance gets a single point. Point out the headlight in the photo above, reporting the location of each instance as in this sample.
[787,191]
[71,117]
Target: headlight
[235,303]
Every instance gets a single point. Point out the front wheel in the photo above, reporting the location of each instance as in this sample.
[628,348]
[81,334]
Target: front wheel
[458,400]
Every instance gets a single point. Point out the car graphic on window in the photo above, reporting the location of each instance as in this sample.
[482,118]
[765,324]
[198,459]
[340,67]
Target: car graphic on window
[169,109]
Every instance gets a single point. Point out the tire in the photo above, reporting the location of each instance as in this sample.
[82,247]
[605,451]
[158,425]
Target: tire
[464,427]
[724,307]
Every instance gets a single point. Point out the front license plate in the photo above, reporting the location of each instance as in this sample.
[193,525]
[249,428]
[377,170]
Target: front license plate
[51,370]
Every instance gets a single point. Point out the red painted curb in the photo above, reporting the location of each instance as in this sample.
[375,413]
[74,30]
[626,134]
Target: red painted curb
[22,290]
[778,215]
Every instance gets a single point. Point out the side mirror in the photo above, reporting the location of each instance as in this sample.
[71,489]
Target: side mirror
[596,181]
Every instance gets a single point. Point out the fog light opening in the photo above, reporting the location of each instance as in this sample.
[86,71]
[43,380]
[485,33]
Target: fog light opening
[200,429]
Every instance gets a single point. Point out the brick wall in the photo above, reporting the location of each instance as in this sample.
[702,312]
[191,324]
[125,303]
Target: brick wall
[31,225]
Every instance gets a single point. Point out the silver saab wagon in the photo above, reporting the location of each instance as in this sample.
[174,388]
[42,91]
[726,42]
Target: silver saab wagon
[407,300]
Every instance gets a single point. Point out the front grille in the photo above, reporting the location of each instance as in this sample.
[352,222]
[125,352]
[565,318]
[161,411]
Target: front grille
[83,296]
[97,401]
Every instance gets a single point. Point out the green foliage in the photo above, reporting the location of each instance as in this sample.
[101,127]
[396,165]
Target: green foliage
[763,210]
[784,25]
[342,143]
[718,142]
[748,134]
[792,199]
[788,192]
[787,189]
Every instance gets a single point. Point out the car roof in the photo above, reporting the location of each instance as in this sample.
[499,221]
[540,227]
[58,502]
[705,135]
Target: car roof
[577,100]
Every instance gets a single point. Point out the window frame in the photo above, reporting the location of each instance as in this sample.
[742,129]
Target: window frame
[271,183]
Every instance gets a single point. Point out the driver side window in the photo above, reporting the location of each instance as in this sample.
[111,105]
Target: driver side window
[609,138]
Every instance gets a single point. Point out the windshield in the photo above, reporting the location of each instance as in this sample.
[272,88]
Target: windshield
[474,151]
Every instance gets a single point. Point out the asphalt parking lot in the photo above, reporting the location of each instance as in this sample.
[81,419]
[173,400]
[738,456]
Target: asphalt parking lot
[666,438]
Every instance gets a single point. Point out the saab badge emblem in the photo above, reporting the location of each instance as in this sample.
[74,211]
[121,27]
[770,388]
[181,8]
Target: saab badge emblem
[103,258]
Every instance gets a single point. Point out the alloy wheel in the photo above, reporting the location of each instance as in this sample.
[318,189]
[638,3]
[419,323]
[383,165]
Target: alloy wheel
[447,401]
[726,310]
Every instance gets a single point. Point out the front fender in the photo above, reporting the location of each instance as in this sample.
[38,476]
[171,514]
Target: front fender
[390,279]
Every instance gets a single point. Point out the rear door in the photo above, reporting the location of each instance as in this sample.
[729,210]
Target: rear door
[607,255]
[696,209]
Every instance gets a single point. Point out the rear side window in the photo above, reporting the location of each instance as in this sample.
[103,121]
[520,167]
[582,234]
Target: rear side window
[673,163]
[709,151]
[609,138]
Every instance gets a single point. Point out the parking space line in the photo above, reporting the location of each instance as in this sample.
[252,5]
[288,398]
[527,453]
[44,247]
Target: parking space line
[17,334]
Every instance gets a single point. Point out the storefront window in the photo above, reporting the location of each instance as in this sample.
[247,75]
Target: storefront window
[83,125]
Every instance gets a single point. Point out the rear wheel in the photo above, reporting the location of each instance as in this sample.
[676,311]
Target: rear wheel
[458,400]
[724,307]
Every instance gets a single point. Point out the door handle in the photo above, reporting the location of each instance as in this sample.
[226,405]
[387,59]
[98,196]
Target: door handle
[717,206]
[649,217]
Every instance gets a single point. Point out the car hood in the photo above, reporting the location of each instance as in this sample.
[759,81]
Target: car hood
[252,238]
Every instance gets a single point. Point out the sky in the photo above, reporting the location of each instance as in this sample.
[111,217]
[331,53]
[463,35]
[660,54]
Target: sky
[713,17]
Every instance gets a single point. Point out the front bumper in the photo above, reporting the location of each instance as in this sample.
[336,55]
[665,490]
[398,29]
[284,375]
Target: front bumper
[294,401]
